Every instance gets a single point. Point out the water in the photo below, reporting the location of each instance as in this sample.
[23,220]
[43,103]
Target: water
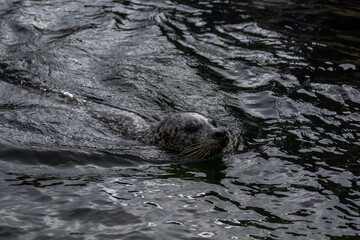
[283,76]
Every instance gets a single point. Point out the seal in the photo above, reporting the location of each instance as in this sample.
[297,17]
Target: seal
[190,133]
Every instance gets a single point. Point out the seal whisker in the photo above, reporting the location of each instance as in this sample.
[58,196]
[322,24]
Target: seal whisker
[193,150]
[193,147]
[209,150]
[193,153]
[199,150]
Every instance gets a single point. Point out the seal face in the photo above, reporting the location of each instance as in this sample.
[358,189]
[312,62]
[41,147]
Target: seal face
[192,134]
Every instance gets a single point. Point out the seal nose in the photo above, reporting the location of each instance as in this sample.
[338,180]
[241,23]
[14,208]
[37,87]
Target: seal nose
[220,134]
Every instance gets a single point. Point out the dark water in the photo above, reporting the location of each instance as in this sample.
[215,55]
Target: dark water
[283,76]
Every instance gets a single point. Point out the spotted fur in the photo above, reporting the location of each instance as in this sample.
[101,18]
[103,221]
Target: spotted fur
[191,134]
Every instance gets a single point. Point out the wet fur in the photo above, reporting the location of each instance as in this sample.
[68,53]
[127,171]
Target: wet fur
[189,133]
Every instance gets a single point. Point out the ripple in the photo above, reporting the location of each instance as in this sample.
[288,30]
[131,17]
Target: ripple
[282,75]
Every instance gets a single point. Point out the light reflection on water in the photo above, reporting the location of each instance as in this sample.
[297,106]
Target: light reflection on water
[281,75]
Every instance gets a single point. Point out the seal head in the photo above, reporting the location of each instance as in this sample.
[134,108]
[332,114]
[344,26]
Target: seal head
[192,134]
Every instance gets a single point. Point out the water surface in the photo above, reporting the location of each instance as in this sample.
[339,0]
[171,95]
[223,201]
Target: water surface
[283,76]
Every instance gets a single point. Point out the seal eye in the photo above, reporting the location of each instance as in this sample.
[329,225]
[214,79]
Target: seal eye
[212,122]
[191,128]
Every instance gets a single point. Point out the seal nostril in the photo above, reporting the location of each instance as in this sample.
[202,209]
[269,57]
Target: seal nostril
[219,135]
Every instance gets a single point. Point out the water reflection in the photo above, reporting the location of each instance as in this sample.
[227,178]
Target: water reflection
[282,75]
